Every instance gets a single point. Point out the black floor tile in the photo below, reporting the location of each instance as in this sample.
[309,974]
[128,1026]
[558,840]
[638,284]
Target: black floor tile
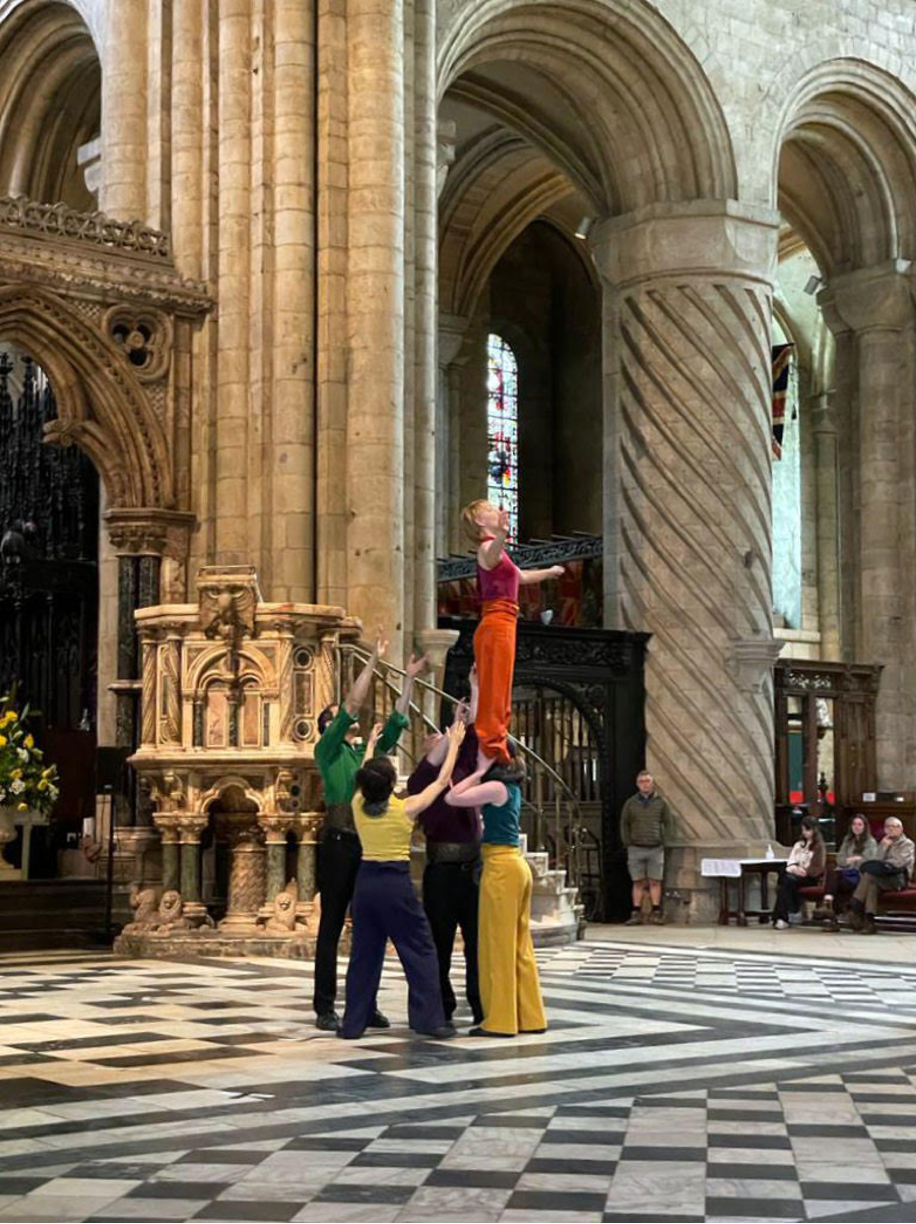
[365,1194]
[662,1152]
[556,1200]
[768,1208]
[183,1190]
[397,1160]
[551,1164]
[493,1179]
[253,1210]
[850,1191]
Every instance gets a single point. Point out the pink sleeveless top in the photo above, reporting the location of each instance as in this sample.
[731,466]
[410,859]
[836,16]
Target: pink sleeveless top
[500,582]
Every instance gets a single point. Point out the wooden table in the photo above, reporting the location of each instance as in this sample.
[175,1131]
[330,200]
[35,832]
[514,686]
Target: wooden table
[738,871]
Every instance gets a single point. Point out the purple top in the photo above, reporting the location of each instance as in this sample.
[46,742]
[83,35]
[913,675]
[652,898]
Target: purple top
[500,582]
[440,822]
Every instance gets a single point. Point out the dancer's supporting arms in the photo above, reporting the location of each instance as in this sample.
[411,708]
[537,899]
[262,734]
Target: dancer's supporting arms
[415,804]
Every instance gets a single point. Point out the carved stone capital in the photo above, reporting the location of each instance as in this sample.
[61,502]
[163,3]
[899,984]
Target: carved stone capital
[191,827]
[167,824]
[453,330]
[147,530]
[751,661]
[275,826]
[307,825]
[701,238]
[869,299]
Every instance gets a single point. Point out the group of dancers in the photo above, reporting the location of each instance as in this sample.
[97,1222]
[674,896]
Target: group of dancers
[466,797]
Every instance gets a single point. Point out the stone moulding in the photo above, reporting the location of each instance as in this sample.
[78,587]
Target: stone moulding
[59,221]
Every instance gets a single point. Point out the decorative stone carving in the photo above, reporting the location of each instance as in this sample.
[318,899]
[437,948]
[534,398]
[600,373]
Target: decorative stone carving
[170,915]
[59,221]
[283,920]
[225,755]
[145,904]
[751,661]
[144,337]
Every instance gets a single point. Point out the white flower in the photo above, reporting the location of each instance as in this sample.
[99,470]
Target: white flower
[23,754]
[17,787]
[2,796]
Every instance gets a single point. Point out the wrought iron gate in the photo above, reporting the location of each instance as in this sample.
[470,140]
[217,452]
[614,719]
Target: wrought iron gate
[578,703]
[49,600]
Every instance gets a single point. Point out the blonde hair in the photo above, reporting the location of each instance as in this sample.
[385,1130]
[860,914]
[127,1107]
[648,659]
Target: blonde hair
[472,528]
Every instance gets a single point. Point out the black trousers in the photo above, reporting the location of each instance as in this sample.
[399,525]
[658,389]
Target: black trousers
[339,857]
[451,895]
[787,901]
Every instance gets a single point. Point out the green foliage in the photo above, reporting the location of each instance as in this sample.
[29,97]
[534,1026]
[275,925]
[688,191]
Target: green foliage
[26,783]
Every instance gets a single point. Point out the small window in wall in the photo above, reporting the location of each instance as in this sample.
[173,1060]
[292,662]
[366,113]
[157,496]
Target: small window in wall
[502,429]
[787,542]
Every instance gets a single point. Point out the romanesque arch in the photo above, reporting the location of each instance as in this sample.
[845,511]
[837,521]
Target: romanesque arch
[50,104]
[640,119]
[100,403]
[845,164]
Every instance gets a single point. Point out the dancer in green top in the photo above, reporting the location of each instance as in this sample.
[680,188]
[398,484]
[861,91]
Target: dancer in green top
[339,754]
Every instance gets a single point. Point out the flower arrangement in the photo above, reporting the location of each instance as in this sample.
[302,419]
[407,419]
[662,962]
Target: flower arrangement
[26,783]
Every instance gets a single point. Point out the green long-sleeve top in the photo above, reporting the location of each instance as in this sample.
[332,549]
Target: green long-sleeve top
[338,761]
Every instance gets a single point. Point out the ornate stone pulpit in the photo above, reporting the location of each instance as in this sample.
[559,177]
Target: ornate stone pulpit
[232,688]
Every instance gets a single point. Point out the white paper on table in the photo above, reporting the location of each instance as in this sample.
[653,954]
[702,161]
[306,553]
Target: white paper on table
[720,867]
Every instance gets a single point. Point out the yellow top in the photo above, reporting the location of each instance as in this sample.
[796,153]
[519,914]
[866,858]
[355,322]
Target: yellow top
[384,838]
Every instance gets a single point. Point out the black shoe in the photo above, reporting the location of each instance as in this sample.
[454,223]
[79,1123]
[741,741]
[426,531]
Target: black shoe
[348,1036]
[328,1022]
[477,1031]
[441,1033]
[377,1020]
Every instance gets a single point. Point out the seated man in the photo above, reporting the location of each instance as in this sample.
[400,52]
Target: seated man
[339,754]
[890,870]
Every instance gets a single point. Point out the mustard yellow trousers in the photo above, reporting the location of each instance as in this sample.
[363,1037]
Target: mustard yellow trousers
[510,989]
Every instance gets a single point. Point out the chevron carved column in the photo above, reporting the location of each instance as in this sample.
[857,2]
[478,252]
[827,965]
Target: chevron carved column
[689,526]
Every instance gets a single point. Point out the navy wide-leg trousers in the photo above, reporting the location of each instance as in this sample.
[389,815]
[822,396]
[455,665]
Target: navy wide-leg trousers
[385,907]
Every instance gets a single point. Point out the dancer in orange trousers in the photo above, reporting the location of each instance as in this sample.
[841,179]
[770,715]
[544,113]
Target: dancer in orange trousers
[498,580]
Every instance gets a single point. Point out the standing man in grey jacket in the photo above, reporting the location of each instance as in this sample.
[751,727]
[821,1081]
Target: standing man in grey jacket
[646,827]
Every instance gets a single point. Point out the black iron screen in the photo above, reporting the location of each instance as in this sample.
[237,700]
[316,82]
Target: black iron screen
[49,529]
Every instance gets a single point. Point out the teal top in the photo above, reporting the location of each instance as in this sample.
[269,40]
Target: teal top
[500,824]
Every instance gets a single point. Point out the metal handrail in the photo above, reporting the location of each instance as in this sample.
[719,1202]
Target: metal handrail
[573,842]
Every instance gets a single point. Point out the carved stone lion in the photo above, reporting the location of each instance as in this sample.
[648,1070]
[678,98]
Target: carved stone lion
[145,904]
[283,919]
[169,917]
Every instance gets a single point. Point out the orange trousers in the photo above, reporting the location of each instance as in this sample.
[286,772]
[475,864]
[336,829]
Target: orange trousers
[494,654]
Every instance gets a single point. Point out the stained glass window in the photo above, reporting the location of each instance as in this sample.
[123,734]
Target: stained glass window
[502,429]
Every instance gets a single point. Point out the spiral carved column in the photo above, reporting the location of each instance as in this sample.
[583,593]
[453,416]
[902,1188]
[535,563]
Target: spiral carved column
[688,465]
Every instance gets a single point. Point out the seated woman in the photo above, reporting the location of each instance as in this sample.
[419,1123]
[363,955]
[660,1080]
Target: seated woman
[510,990]
[841,880]
[385,905]
[806,863]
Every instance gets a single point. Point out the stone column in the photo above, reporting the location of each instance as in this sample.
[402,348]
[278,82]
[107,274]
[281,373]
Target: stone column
[168,829]
[875,305]
[187,136]
[375,286]
[451,337]
[233,537]
[828,526]
[190,829]
[435,644]
[292,403]
[275,830]
[247,880]
[425,375]
[125,143]
[688,501]
[307,826]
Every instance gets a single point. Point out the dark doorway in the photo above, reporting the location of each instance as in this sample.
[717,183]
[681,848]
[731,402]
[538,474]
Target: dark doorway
[49,588]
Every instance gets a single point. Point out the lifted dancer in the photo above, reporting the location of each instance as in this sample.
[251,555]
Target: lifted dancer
[498,580]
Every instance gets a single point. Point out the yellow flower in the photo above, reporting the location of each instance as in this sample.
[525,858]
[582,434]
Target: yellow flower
[7,718]
[15,773]
[3,741]
[46,773]
[22,807]
[29,741]
[43,784]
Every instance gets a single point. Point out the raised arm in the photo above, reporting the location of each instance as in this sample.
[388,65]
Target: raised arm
[475,694]
[531,577]
[415,804]
[357,695]
[477,794]
[436,754]
[413,669]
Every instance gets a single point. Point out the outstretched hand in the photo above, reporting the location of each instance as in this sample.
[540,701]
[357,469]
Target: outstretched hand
[381,643]
[504,521]
[416,666]
[456,733]
[373,740]
[557,571]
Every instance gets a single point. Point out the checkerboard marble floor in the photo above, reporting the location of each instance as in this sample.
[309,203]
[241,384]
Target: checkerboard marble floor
[673,1084]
